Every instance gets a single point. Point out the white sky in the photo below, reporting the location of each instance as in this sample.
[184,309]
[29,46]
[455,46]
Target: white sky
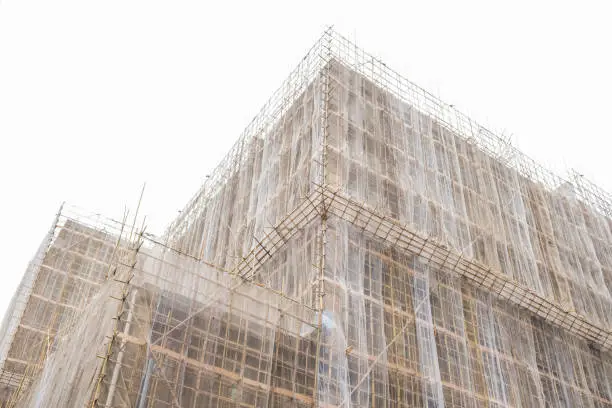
[98,97]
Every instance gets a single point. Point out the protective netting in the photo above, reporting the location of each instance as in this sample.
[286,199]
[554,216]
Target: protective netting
[409,167]
[362,245]
[268,172]
[393,332]
[187,334]
[65,274]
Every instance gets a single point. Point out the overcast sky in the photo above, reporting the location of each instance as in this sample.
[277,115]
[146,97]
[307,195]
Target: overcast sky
[98,97]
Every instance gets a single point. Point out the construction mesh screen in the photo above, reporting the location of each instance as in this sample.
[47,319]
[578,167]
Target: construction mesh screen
[362,245]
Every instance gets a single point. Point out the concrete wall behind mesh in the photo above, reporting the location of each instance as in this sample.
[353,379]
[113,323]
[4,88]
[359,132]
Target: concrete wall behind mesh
[69,272]
[438,341]
[409,167]
[187,335]
[393,332]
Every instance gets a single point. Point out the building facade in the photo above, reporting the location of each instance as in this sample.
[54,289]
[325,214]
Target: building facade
[362,245]
[67,271]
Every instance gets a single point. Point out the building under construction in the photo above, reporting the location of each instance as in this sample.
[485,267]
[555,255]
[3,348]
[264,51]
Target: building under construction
[363,244]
